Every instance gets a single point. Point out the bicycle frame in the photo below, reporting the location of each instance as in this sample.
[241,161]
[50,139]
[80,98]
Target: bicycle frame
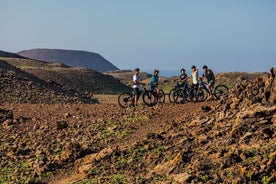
[203,85]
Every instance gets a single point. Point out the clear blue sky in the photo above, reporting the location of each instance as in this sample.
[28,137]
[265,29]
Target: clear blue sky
[226,35]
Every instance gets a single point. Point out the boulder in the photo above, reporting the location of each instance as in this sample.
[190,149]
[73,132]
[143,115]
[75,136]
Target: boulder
[5,115]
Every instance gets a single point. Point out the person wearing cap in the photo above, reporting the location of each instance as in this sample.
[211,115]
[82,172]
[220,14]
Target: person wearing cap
[154,81]
[209,75]
[136,85]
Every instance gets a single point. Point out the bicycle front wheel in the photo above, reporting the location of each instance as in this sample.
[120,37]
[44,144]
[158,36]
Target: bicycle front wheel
[220,90]
[179,96]
[125,100]
[150,98]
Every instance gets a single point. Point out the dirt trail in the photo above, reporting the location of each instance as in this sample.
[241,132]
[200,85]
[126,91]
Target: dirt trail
[160,117]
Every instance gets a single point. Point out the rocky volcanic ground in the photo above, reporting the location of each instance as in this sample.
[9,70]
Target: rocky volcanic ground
[231,140]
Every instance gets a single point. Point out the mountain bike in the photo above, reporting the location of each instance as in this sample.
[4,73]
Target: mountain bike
[174,92]
[218,91]
[126,99]
[184,93]
[160,94]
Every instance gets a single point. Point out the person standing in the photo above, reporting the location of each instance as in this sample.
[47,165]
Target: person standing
[183,77]
[136,85]
[194,76]
[209,75]
[154,81]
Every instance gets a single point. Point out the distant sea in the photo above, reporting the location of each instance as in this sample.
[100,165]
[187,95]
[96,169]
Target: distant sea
[171,73]
[166,73]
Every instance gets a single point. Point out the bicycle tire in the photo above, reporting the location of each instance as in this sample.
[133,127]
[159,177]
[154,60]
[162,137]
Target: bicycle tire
[161,96]
[179,96]
[171,99]
[125,99]
[150,98]
[220,90]
[192,95]
[201,95]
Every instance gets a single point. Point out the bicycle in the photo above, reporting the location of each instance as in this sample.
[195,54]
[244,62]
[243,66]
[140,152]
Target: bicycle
[160,94]
[217,91]
[173,92]
[126,99]
[184,93]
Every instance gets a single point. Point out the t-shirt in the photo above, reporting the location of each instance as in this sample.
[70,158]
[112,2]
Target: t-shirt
[209,75]
[183,76]
[195,77]
[154,79]
[136,78]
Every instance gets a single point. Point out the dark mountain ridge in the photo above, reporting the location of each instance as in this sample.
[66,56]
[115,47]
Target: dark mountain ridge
[84,80]
[9,54]
[18,86]
[72,58]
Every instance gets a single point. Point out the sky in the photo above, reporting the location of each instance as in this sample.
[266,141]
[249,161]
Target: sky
[226,35]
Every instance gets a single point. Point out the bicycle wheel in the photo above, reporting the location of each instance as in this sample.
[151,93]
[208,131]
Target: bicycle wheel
[161,96]
[171,95]
[192,95]
[125,100]
[150,98]
[200,95]
[220,90]
[179,96]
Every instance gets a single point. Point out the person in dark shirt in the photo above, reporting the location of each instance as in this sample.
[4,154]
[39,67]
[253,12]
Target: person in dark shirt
[183,77]
[209,75]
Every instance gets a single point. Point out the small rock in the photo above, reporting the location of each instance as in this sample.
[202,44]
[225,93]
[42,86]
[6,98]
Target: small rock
[61,125]
[206,108]
[8,122]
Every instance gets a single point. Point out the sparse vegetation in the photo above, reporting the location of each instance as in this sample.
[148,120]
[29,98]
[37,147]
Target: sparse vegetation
[232,143]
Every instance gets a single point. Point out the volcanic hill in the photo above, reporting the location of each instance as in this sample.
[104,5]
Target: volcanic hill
[18,86]
[80,79]
[72,58]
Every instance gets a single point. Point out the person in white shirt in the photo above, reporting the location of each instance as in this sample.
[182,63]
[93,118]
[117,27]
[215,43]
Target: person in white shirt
[194,76]
[136,85]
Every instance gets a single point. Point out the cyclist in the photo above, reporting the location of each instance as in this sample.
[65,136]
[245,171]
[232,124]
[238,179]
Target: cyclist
[136,85]
[183,77]
[209,75]
[194,76]
[154,81]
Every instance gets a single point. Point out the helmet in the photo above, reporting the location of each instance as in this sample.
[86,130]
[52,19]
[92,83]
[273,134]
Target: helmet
[193,67]
[205,67]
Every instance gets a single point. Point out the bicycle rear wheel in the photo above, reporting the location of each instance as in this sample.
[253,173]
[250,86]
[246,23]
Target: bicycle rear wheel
[171,95]
[200,95]
[192,95]
[150,98]
[220,90]
[125,100]
[161,96]
[179,96]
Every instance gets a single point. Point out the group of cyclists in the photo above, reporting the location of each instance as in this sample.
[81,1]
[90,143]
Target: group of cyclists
[208,74]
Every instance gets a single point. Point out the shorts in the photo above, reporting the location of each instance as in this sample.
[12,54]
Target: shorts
[211,83]
[136,91]
[195,86]
[151,86]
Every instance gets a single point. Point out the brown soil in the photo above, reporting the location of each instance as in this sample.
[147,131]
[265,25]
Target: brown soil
[231,140]
[143,121]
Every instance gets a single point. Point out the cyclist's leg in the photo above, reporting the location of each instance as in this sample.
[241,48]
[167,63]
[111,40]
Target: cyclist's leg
[136,95]
[210,88]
